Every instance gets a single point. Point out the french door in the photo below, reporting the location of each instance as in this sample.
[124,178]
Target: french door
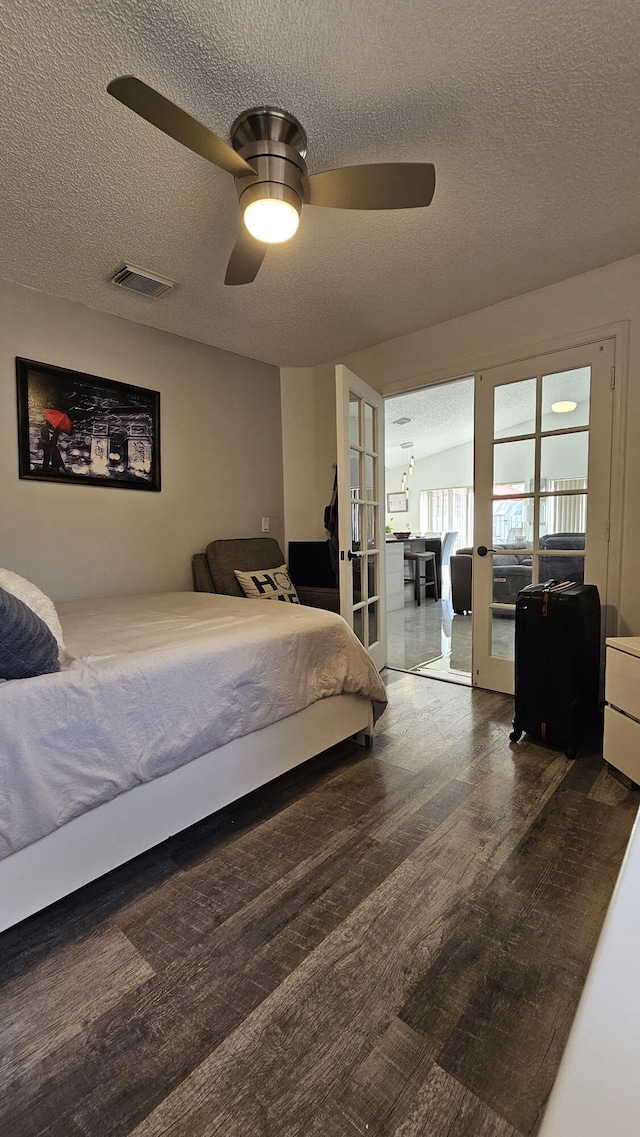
[360,431]
[542,484]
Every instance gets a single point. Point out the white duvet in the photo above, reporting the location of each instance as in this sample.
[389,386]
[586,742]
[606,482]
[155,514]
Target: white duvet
[157,681]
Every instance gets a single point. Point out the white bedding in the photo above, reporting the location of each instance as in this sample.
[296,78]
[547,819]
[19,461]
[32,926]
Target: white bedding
[157,681]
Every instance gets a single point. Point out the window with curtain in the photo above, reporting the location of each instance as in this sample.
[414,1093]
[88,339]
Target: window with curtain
[447,510]
[566,513]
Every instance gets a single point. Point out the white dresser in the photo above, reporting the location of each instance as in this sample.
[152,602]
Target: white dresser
[395,574]
[622,710]
[597,1090]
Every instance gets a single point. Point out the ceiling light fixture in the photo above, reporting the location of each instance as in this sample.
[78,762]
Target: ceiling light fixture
[267,159]
[406,474]
[563,406]
[271,220]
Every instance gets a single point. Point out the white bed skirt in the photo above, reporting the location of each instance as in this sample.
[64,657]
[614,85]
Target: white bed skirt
[111,834]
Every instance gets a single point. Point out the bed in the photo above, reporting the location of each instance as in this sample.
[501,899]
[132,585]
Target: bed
[170,707]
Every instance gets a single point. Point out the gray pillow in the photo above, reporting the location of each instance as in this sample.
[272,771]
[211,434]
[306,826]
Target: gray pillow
[27,646]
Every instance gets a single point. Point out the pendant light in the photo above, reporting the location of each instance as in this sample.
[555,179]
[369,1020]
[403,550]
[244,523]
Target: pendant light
[406,474]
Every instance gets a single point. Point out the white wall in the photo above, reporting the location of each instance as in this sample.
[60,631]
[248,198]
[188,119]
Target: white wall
[516,328]
[221,455]
[445,470]
[309,427]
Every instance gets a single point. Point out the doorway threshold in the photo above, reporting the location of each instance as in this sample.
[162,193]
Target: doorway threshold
[458,677]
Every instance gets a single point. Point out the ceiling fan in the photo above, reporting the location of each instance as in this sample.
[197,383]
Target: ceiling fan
[267,159]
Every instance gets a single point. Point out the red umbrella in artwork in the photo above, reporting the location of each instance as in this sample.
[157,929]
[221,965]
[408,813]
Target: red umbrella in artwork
[59,421]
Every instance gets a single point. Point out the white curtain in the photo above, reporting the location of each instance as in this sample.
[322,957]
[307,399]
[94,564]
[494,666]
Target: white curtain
[567,514]
[448,510]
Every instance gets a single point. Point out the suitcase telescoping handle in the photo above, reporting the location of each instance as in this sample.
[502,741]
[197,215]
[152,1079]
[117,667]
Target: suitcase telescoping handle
[482,550]
[553,586]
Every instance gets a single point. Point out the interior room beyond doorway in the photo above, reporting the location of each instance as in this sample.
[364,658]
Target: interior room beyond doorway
[429,521]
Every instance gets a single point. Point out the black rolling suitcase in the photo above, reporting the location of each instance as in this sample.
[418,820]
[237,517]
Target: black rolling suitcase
[557,663]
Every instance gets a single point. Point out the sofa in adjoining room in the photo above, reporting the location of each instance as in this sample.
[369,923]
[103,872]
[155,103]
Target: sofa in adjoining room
[565,568]
[512,569]
[511,572]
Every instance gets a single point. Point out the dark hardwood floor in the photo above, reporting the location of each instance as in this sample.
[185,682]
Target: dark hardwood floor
[388,943]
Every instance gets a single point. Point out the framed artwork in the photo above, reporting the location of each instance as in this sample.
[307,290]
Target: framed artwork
[397,503]
[85,430]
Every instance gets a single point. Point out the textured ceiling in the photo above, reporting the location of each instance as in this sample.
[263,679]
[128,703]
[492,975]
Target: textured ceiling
[528,110]
[441,418]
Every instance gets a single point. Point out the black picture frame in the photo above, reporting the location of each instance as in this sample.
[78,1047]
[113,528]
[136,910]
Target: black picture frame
[84,430]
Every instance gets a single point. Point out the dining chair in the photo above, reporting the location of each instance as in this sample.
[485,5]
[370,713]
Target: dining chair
[448,545]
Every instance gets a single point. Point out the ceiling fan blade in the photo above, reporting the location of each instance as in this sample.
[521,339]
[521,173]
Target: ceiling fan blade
[381,185]
[177,124]
[246,257]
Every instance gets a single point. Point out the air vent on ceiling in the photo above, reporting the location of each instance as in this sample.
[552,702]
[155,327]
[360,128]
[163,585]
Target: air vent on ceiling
[401,421]
[139,280]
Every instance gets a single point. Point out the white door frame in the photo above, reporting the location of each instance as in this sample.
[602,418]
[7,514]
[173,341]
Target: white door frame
[368,503]
[490,670]
[619,331]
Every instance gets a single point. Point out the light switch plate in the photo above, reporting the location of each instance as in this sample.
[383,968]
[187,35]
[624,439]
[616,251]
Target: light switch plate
[265,524]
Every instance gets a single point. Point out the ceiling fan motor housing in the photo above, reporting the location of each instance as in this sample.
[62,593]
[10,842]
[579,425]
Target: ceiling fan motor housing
[274,143]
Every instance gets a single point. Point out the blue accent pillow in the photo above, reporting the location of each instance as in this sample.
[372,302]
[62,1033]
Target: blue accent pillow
[27,647]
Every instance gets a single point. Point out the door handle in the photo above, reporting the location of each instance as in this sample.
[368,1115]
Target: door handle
[482,550]
[350,556]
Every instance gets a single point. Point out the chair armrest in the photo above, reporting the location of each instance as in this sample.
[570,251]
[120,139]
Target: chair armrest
[327,598]
[461,569]
[202,581]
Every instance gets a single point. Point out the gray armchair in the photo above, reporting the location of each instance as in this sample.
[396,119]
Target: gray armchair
[460,566]
[511,572]
[213,570]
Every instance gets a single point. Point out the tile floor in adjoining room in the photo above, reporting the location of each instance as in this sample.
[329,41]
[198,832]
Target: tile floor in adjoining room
[431,639]
[429,634]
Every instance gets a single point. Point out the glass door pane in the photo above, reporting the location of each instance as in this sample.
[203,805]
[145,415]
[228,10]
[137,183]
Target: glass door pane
[360,500]
[566,398]
[514,409]
[563,521]
[514,463]
[514,466]
[564,461]
[503,635]
[513,522]
[535,473]
[373,522]
[369,427]
[354,419]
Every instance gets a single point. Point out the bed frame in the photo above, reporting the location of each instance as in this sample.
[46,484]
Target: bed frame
[107,836]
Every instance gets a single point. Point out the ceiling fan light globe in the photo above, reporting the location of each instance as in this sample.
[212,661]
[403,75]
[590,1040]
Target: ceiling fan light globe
[271,220]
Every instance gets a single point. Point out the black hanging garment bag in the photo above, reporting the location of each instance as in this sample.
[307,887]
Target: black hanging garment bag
[557,663]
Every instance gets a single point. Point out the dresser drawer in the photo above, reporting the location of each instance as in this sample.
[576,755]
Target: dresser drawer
[622,681]
[622,743]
